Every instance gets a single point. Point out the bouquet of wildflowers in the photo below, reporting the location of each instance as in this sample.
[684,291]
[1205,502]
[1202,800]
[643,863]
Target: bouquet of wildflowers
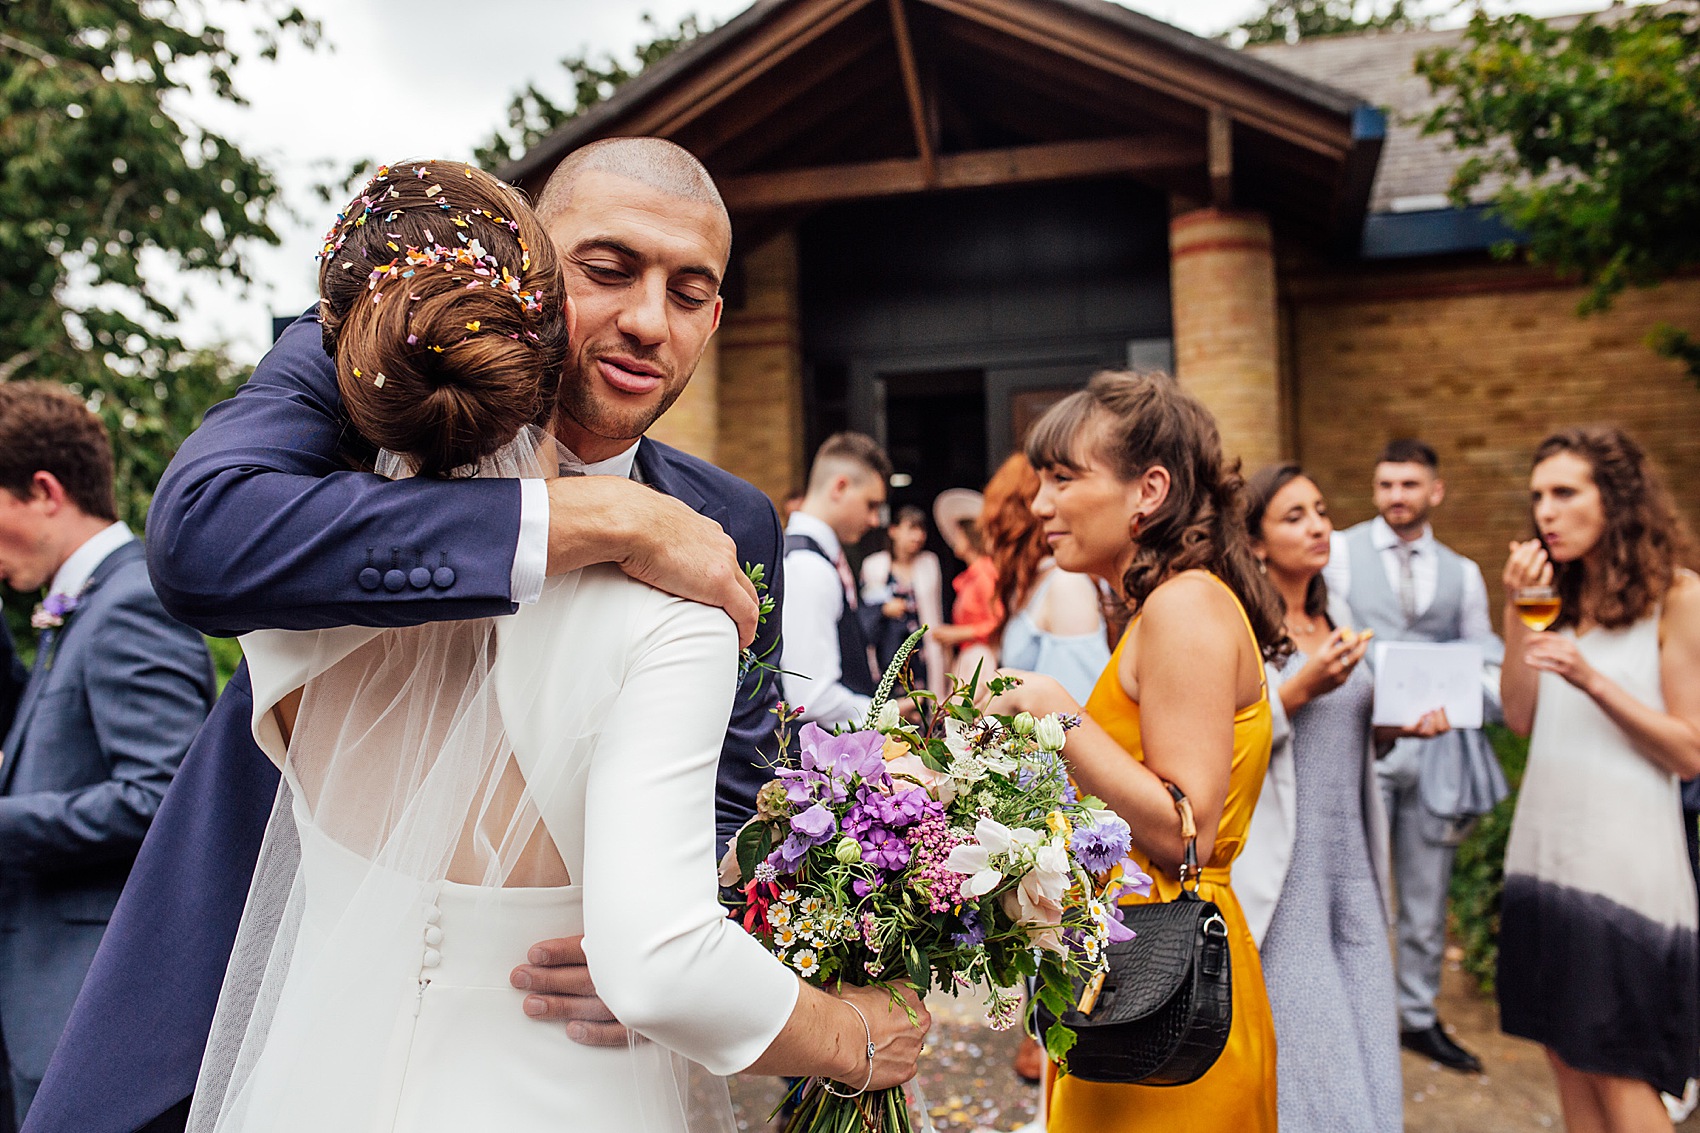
[956,856]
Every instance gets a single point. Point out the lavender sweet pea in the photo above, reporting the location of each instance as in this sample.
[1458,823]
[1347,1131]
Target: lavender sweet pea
[829,763]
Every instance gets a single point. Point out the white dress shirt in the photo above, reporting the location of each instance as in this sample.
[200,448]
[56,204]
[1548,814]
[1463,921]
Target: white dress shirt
[531,555]
[73,574]
[814,601]
[1474,622]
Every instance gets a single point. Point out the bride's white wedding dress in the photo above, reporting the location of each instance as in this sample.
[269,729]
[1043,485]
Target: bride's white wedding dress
[432,772]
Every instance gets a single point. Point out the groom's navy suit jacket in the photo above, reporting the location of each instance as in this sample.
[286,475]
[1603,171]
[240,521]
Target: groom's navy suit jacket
[259,524]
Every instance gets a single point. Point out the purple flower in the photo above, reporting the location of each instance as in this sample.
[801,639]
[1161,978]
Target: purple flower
[789,854]
[1118,931]
[973,932]
[816,824]
[1101,846]
[884,849]
[831,765]
[858,755]
[59,604]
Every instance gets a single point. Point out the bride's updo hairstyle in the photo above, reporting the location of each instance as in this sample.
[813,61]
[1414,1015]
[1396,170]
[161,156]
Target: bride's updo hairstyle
[442,302]
[1132,422]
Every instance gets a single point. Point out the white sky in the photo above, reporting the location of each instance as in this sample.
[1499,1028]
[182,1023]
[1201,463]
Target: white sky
[429,78]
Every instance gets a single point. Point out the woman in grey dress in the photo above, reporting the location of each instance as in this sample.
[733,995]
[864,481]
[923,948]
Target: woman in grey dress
[1325,955]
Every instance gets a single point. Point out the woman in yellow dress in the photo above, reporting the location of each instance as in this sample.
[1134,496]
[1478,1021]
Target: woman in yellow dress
[1134,489]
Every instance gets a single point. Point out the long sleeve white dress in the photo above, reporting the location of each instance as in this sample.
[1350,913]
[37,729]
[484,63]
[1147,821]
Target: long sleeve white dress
[431,769]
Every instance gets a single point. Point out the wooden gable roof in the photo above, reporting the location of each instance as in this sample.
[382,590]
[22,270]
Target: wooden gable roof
[798,103]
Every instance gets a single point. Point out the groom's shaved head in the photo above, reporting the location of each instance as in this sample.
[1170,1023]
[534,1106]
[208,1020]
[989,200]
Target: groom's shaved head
[655,162]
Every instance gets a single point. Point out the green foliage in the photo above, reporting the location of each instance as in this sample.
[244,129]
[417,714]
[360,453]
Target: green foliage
[533,115]
[1288,21]
[1593,133]
[105,185]
[1478,873]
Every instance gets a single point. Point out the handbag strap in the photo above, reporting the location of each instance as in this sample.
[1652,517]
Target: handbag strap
[1189,832]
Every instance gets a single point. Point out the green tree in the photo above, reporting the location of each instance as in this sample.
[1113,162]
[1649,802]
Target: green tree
[1288,21]
[533,114]
[1593,132]
[106,191]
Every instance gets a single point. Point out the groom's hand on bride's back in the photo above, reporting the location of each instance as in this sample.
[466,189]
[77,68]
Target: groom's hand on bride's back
[652,537]
[560,991]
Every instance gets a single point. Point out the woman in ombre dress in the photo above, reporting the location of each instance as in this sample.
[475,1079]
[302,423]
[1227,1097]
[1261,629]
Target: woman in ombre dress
[1134,489]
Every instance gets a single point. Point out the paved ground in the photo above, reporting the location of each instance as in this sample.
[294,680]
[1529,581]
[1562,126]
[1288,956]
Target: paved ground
[969,1087]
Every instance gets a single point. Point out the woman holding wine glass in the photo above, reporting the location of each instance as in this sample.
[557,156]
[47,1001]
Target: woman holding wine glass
[1599,959]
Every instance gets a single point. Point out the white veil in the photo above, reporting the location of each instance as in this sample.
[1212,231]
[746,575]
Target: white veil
[399,777]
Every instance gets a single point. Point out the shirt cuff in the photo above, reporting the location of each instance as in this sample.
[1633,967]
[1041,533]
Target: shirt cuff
[531,554]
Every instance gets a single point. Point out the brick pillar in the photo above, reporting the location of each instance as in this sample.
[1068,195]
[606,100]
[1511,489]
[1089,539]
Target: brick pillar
[1222,268]
[693,423]
[760,430]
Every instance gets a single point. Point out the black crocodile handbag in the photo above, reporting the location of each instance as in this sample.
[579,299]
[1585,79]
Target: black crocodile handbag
[1160,1012]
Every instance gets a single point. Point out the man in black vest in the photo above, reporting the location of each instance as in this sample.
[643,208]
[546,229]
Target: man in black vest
[829,670]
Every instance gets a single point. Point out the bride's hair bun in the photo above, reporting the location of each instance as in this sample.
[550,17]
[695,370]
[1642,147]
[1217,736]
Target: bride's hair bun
[442,302]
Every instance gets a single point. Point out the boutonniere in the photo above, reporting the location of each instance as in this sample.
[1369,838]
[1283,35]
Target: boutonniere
[52,613]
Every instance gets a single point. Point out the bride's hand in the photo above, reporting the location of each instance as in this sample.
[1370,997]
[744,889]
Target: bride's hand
[561,991]
[897,1041]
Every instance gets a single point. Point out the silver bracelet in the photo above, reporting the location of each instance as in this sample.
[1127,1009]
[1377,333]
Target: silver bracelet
[869,1032]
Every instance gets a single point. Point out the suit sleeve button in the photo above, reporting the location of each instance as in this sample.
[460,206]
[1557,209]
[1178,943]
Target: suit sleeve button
[443,577]
[419,578]
[394,580]
[370,578]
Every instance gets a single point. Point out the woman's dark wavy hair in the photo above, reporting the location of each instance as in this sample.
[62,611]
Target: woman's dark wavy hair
[1645,539]
[1260,491]
[1139,421]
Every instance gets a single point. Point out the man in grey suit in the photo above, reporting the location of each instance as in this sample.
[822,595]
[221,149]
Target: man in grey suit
[1407,586]
[118,690]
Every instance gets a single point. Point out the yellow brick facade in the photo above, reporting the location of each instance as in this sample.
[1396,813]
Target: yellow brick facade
[759,428]
[1482,363]
[1223,293]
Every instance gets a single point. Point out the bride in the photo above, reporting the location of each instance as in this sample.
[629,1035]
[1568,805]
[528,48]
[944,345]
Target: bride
[457,790]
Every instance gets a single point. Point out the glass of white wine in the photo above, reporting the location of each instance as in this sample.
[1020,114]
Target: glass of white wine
[1537,606]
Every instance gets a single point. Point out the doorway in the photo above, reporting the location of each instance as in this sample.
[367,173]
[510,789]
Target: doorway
[935,434]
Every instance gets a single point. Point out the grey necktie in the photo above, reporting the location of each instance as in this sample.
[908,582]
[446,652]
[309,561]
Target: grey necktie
[1407,581]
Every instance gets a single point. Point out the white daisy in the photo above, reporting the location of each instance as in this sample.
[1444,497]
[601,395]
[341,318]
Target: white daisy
[806,962]
[784,937]
[779,915]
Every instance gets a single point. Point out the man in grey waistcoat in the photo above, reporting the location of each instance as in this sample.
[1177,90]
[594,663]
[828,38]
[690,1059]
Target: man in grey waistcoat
[1406,586]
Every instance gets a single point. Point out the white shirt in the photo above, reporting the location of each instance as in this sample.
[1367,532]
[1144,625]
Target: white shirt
[73,574]
[814,601]
[1474,622]
[531,555]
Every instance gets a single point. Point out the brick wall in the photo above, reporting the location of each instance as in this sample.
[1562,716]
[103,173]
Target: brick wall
[1222,281]
[1482,362]
[760,409]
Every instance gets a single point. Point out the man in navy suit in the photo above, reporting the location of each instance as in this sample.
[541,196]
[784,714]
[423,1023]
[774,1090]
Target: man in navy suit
[261,523]
[118,691]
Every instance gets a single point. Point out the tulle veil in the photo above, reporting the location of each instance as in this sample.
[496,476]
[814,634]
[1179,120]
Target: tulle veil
[401,764]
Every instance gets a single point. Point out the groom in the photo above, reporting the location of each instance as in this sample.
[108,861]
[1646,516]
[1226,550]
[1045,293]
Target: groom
[259,523]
